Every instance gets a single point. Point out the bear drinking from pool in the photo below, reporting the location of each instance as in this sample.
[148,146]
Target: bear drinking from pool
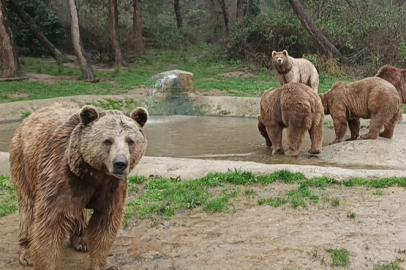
[65,160]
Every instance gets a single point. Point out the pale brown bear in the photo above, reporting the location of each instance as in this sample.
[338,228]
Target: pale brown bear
[65,160]
[298,108]
[371,98]
[297,70]
[395,76]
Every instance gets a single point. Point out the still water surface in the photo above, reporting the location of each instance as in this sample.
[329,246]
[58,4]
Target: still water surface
[230,138]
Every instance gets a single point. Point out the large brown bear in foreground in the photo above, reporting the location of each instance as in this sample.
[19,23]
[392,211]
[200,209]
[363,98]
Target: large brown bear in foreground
[395,76]
[372,98]
[65,160]
[297,70]
[296,107]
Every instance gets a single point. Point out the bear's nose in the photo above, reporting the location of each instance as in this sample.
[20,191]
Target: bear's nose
[120,164]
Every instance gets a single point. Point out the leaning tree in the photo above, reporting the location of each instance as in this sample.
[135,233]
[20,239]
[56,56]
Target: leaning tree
[10,66]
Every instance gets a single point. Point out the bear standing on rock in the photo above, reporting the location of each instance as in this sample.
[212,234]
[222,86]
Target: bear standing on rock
[371,98]
[298,70]
[65,160]
[298,108]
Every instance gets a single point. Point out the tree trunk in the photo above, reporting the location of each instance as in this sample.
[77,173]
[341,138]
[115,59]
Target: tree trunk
[10,66]
[314,31]
[239,11]
[139,44]
[52,50]
[249,8]
[84,63]
[119,58]
[177,13]
[224,11]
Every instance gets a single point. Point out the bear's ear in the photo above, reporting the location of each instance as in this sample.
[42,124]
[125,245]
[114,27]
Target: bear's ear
[140,115]
[88,114]
[273,53]
[285,52]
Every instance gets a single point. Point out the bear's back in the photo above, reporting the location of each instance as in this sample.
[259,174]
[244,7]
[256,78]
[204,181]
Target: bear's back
[36,136]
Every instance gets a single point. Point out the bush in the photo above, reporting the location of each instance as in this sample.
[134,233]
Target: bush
[47,21]
[277,31]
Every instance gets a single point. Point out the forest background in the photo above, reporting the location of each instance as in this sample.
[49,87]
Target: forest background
[345,39]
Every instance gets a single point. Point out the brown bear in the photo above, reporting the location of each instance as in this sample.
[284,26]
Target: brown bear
[371,98]
[65,160]
[395,76]
[297,70]
[298,108]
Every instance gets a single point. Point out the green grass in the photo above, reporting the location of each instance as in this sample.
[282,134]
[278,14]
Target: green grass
[296,198]
[390,266]
[335,203]
[339,257]
[8,196]
[207,63]
[216,192]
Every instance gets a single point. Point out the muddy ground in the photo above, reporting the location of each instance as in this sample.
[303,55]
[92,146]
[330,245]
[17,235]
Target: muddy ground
[370,226]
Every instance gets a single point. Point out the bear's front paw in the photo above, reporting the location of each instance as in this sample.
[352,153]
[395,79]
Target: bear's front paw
[314,151]
[291,153]
[24,258]
[109,266]
[78,244]
[334,142]
[278,151]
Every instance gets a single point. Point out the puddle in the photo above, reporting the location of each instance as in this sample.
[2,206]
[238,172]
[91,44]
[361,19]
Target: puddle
[227,138]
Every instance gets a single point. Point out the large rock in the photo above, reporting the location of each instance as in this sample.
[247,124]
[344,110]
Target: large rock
[175,82]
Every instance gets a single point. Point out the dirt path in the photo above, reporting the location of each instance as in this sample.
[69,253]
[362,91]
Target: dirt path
[256,237]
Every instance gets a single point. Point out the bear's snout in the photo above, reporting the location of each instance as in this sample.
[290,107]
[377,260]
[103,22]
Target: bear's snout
[280,61]
[120,165]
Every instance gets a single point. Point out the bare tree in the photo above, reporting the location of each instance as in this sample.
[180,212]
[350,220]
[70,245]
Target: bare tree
[314,31]
[240,10]
[178,15]
[139,44]
[224,11]
[85,67]
[43,40]
[249,8]
[119,58]
[10,66]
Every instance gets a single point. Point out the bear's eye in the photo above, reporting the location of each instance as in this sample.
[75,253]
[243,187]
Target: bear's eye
[108,142]
[130,142]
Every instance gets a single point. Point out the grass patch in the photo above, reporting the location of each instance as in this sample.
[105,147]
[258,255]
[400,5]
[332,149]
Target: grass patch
[221,204]
[213,193]
[8,196]
[390,266]
[351,215]
[208,64]
[335,203]
[339,257]
[296,198]
[116,104]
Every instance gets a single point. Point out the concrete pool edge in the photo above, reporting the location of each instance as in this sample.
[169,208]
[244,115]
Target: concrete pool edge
[188,169]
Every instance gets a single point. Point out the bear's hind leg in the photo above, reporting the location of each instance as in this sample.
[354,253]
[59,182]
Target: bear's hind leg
[77,241]
[294,141]
[375,127]
[389,128]
[26,220]
[354,126]
[316,137]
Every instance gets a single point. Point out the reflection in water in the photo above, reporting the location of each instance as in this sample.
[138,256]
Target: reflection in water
[229,138]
